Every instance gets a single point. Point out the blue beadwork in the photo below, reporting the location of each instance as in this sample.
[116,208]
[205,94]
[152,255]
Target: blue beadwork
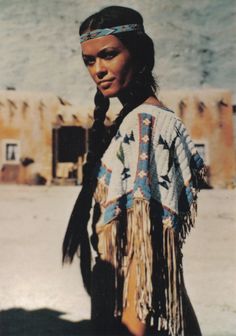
[110,31]
[142,177]
[105,174]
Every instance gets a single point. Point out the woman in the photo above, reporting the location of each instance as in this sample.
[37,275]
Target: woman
[144,174]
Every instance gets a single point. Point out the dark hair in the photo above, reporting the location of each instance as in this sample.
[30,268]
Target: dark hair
[142,85]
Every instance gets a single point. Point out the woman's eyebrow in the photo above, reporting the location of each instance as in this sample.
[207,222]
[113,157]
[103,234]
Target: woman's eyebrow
[101,52]
[87,56]
[108,49]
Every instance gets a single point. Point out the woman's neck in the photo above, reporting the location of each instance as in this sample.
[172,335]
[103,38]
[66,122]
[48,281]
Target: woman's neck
[150,100]
[153,100]
[131,94]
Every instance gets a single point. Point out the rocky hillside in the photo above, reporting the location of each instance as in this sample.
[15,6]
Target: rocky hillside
[195,44]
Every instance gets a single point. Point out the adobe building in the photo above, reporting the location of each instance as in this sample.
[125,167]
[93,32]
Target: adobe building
[43,138]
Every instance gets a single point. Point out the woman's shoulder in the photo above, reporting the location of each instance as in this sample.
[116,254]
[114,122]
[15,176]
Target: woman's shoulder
[156,111]
[155,114]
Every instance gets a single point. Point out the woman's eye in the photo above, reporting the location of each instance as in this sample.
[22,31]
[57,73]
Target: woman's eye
[89,61]
[109,55]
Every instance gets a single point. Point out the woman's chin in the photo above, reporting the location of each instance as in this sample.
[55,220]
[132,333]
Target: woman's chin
[109,93]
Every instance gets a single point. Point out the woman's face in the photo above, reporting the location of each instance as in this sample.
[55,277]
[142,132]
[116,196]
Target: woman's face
[109,63]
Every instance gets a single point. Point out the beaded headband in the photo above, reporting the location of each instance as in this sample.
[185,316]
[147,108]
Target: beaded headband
[110,31]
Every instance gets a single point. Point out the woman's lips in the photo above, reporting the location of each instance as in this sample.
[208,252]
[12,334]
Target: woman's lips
[105,83]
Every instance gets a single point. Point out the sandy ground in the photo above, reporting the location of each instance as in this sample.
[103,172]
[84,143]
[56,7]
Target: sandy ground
[40,297]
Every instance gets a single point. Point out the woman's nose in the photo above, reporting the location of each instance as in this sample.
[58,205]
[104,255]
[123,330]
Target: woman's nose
[100,69]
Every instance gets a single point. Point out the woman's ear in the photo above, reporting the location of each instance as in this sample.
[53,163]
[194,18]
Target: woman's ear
[139,67]
[142,70]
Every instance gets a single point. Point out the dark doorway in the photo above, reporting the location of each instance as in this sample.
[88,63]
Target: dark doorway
[69,148]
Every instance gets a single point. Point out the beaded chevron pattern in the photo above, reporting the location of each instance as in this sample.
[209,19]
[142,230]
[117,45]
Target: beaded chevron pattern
[158,173]
[110,31]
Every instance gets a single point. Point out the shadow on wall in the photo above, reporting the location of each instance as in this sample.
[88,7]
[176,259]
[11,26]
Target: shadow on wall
[41,322]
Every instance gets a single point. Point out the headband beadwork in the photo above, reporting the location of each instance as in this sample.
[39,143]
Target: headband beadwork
[110,31]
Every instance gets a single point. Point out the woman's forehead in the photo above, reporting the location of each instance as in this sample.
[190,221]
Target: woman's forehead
[95,45]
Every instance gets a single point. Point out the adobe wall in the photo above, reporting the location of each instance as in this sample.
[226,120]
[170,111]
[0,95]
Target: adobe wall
[208,117]
[29,118]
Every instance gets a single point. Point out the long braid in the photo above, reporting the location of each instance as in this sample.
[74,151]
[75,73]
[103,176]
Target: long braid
[96,135]
[77,235]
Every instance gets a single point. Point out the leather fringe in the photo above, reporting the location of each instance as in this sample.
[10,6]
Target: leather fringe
[188,218]
[139,246]
[120,243]
[173,294]
[100,194]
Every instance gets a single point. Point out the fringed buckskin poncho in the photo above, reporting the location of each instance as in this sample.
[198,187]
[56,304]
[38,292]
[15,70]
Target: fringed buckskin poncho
[151,173]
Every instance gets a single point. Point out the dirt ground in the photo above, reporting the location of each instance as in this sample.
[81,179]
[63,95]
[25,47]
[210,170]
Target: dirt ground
[40,297]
